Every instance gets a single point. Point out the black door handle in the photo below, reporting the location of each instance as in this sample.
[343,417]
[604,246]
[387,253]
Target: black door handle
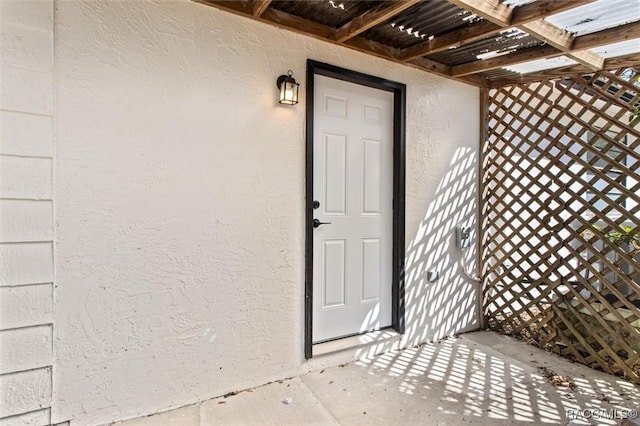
[317,223]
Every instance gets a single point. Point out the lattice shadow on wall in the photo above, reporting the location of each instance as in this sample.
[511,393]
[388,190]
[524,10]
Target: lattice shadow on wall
[561,218]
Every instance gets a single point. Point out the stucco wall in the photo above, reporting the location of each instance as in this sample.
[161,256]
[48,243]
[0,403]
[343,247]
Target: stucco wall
[180,204]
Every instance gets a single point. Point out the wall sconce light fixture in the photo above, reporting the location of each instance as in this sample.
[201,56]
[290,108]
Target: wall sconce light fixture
[288,89]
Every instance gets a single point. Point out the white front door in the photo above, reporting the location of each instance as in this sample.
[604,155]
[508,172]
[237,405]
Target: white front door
[353,184]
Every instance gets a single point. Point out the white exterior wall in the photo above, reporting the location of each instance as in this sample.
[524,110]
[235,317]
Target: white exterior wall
[26,211]
[179,204]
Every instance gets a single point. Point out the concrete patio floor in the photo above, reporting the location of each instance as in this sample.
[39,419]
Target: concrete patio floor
[480,378]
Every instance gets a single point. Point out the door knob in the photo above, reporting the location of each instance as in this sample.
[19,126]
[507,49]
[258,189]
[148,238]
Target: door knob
[317,223]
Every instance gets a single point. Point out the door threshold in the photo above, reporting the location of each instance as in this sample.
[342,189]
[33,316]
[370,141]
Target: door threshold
[388,337]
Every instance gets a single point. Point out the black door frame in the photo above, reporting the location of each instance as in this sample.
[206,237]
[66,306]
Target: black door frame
[399,164]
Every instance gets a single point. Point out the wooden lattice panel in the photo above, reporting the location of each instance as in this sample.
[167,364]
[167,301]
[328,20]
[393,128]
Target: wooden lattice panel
[561,217]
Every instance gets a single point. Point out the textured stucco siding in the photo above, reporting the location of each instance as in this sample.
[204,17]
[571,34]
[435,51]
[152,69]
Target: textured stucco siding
[26,211]
[180,204]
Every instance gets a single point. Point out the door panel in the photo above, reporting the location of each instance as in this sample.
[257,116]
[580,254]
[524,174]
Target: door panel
[372,162]
[335,174]
[371,262]
[333,278]
[353,180]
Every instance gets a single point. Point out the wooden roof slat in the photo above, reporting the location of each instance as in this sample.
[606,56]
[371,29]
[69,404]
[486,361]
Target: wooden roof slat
[378,14]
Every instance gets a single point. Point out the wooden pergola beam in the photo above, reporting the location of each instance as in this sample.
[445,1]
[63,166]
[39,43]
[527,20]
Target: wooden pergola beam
[540,9]
[483,29]
[456,38]
[297,24]
[274,17]
[500,14]
[497,17]
[564,41]
[389,53]
[259,6]
[624,61]
[612,35]
[323,32]
[518,57]
[542,30]
[372,17]
[491,10]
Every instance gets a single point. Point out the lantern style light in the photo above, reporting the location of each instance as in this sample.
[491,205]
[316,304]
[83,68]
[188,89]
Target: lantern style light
[288,89]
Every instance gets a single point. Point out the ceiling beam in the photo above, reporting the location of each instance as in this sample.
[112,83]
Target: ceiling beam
[497,17]
[274,17]
[518,57]
[543,52]
[477,31]
[484,28]
[624,32]
[564,41]
[297,24]
[259,6]
[386,52]
[542,30]
[493,10]
[236,7]
[389,53]
[372,47]
[624,61]
[372,17]
[540,9]
[303,26]
[612,35]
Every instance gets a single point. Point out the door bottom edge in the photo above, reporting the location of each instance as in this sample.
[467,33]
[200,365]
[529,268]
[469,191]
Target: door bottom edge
[385,336]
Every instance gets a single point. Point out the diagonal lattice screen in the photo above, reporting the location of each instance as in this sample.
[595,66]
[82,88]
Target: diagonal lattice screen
[561,217]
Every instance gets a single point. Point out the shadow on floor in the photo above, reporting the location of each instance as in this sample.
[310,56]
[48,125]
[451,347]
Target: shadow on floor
[480,378]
